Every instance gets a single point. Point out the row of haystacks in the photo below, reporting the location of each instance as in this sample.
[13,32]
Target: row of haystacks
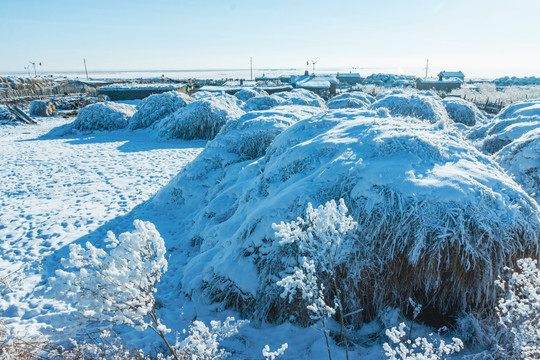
[438,220]
[22,83]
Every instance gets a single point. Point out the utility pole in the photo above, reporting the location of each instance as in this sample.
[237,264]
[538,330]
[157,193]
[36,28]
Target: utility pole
[85,69]
[33,63]
[251,68]
[427,67]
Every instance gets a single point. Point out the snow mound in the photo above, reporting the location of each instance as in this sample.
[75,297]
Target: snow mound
[6,117]
[521,158]
[350,100]
[103,116]
[427,204]
[202,119]
[42,108]
[262,103]
[463,112]
[503,132]
[301,97]
[248,93]
[522,108]
[156,107]
[416,105]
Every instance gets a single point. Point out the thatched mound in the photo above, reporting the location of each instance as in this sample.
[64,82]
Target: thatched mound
[42,108]
[416,105]
[262,103]
[301,97]
[248,93]
[6,117]
[156,107]
[202,119]
[438,220]
[350,100]
[463,112]
[103,116]
[521,158]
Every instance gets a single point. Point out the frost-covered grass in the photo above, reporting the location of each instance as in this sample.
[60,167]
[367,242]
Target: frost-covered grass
[103,116]
[484,92]
[156,107]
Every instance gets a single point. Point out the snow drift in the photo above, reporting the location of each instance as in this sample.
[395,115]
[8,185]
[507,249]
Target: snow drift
[463,112]
[437,219]
[156,107]
[301,97]
[202,119]
[355,99]
[416,105]
[103,116]
[248,93]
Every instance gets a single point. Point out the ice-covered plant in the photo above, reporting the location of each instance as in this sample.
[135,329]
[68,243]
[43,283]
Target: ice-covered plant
[420,348]
[272,355]
[319,238]
[519,308]
[202,342]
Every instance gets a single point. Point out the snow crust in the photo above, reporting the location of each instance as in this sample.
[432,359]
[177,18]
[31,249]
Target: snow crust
[422,106]
[463,112]
[104,116]
[201,119]
[421,197]
[352,100]
[155,107]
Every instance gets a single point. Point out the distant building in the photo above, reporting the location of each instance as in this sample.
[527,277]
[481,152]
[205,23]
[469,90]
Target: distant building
[349,78]
[446,75]
[445,85]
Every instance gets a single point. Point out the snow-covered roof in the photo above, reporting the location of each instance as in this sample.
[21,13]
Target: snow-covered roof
[313,81]
[452,80]
[449,74]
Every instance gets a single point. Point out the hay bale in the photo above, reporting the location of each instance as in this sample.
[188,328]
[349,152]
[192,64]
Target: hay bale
[42,108]
[417,105]
[438,220]
[156,107]
[103,116]
[202,119]
[350,100]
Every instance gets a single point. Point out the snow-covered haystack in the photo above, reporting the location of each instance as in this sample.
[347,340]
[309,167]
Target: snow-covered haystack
[521,158]
[202,119]
[262,103]
[416,105]
[350,100]
[103,116]
[437,219]
[6,117]
[463,112]
[301,97]
[522,108]
[205,94]
[42,108]
[156,107]
[248,93]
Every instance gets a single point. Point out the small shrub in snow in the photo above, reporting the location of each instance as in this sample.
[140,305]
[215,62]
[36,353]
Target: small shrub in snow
[156,107]
[272,355]
[42,108]
[103,116]
[201,119]
[519,309]
[248,93]
[262,103]
[418,349]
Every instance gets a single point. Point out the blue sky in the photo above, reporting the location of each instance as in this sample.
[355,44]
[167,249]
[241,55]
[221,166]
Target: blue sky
[482,38]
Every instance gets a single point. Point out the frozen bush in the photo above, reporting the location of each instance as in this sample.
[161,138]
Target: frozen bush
[248,93]
[103,116]
[156,107]
[301,97]
[351,100]
[463,112]
[414,105]
[202,119]
[519,309]
[42,108]
[262,103]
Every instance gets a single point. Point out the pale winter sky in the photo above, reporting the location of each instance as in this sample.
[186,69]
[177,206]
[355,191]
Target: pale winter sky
[482,38]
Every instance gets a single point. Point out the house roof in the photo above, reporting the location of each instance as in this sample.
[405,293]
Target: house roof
[452,80]
[449,74]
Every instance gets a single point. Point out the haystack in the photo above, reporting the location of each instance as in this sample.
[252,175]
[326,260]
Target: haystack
[416,105]
[463,111]
[248,93]
[156,107]
[350,100]
[103,116]
[42,108]
[262,103]
[301,97]
[438,220]
[201,119]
